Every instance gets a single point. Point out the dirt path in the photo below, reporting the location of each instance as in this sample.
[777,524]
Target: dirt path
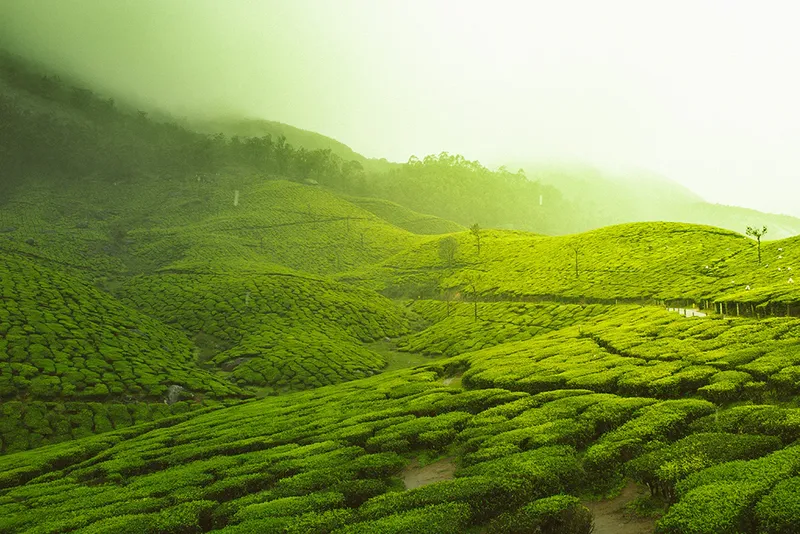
[415,475]
[610,516]
[688,312]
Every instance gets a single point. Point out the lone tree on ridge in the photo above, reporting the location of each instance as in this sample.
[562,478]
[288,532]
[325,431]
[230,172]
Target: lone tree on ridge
[755,232]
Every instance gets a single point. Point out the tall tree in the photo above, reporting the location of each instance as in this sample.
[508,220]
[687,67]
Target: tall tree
[447,249]
[577,250]
[473,279]
[757,234]
[475,230]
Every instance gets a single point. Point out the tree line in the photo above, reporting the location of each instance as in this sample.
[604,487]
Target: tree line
[64,131]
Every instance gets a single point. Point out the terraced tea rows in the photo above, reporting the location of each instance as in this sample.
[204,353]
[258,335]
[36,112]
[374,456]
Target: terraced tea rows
[650,352]
[325,461]
[63,339]
[30,424]
[456,330]
[643,263]
[73,354]
[215,223]
[212,222]
[281,331]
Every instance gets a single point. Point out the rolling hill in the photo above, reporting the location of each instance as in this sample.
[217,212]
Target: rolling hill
[196,335]
[640,262]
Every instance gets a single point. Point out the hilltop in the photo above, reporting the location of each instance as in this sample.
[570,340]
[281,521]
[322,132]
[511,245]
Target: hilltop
[638,262]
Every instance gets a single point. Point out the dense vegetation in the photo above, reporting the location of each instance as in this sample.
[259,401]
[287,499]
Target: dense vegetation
[195,332]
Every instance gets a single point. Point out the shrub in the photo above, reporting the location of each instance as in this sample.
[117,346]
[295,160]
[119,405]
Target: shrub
[779,511]
[662,469]
[487,496]
[559,514]
[448,518]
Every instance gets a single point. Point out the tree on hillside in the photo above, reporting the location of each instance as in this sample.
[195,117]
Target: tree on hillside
[473,278]
[475,230]
[577,250]
[447,294]
[757,234]
[447,249]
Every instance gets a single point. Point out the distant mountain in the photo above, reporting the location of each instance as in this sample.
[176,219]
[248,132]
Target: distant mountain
[600,199]
[52,127]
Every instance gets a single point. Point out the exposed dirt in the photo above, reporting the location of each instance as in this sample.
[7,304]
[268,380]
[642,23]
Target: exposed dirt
[415,475]
[610,516]
[454,381]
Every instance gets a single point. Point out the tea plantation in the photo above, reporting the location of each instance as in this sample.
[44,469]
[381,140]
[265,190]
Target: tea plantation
[642,263]
[278,330]
[198,356]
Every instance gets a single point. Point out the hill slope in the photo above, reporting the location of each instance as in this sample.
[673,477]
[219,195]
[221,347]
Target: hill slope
[294,136]
[641,262]
[528,426]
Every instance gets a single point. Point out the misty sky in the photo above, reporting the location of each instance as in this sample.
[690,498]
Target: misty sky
[705,93]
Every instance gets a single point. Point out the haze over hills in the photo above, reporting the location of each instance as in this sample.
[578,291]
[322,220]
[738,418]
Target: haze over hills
[256,329]
[615,90]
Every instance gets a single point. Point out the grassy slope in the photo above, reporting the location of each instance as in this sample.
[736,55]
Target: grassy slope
[639,261]
[66,346]
[150,223]
[567,412]
[405,218]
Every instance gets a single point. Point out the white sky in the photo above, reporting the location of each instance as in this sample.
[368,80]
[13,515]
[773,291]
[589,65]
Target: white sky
[706,93]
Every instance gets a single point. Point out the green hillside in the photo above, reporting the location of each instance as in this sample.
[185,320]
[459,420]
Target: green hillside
[405,218]
[298,137]
[277,330]
[70,353]
[202,333]
[642,262]
[584,408]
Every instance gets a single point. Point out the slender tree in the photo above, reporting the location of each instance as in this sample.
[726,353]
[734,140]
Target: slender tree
[473,278]
[447,249]
[577,250]
[475,230]
[757,234]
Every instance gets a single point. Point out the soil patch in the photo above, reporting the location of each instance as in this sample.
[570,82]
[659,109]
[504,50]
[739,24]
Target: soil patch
[454,381]
[610,516]
[415,475]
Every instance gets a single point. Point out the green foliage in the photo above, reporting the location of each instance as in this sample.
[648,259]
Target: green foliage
[67,340]
[447,518]
[405,218]
[559,514]
[659,422]
[282,331]
[722,498]
[460,190]
[779,511]
[663,468]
